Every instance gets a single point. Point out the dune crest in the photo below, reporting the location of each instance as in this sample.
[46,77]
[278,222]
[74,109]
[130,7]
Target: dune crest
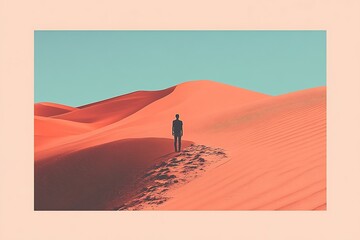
[114,109]
[212,98]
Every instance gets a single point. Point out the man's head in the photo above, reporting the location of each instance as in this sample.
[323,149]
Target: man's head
[177,116]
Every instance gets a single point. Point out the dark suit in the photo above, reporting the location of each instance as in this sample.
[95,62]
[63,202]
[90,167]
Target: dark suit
[177,131]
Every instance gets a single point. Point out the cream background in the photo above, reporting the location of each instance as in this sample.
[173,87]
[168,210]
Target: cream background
[19,19]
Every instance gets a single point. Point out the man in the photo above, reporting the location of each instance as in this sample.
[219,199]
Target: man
[177,132]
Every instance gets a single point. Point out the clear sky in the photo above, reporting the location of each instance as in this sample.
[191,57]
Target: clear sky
[79,67]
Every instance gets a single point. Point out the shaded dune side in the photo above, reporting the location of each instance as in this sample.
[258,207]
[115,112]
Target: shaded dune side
[277,158]
[99,177]
[47,109]
[114,109]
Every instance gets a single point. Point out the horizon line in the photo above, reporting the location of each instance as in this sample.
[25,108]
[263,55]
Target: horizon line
[155,90]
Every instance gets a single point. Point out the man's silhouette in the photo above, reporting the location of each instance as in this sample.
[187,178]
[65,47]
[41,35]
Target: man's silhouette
[177,132]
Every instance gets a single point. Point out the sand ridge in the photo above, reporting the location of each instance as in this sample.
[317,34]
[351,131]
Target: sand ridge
[172,173]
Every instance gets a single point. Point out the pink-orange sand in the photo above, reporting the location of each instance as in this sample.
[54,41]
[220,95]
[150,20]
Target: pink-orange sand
[90,157]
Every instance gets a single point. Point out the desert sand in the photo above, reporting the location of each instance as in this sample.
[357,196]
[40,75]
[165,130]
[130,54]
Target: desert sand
[242,150]
[47,109]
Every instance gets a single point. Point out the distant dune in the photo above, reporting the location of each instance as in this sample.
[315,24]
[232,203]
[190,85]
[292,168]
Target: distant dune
[95,156]
[46,109]
[114,109]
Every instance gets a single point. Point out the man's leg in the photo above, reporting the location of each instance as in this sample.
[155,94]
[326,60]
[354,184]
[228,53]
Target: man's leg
[179,143]
[175,140]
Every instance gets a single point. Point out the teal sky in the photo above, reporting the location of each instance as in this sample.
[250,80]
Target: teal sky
[79,67]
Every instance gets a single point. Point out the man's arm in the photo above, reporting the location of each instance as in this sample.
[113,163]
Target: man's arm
[182,131]
[172,129]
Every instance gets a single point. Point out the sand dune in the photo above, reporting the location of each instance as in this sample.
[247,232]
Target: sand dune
[86,118]
[98,177]
[47,109]
[114,109]
[56,127]
[47,130]
[275,148]
[277,151]
[189,98]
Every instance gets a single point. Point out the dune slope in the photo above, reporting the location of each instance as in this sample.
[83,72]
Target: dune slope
[47,109]
[96,178]
[114,109]
[196,101]
[277,158]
